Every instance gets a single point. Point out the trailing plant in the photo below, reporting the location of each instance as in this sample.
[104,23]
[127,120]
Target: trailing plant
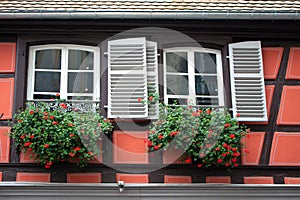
[209,137]
[58,134]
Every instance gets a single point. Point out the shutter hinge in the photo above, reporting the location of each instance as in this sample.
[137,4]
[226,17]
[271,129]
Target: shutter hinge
[105,53]
[227,57]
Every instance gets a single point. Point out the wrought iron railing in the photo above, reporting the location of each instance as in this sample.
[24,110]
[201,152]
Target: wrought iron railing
[71,105]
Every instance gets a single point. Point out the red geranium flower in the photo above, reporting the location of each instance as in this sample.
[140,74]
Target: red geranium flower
[224,154]
[208,111]
[47,166]
[220,160]
[20,120]
[139,99]
[195,114]
[218,149]
[234,160]
[63,105]
[150,98]
[32,136]
[54,123]
[22,136]
[173,133]
[156,147]
[149,143]
[227,125]
[188,161]
[235,164]
[45,117]
[70,124]
[232,136]
[225,145]
[238,114]
[234,149]
[31,112]
[27,144]
[77,149]
[52,117]
[71,135]
[160,137]
[46,145]
[199,165]
[71,154]
[57,94]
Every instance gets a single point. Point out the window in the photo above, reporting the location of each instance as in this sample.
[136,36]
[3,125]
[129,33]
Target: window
[71,70]
[193,75]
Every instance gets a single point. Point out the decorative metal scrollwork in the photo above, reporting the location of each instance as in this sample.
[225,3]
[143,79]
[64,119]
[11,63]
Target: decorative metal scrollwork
[80,106]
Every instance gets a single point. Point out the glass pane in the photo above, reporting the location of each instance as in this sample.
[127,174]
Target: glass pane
[80,82]
[177,62]
[43,96]
[79,98]
[47,82]
[177,84]
[205,63]
[48,59]
[83,60]
[177,101]
[206,101]
[206,85]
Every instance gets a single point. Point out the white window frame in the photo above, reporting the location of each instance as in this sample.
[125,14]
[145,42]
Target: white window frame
[64,69]
[191,74]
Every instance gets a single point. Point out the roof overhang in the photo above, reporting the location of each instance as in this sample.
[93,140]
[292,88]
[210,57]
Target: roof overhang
[153,15]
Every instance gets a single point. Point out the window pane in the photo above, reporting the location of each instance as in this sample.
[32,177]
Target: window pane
[43,96]
[48,59]
[206,101]
[83,60]
[177,62]
[205,63]
[47,82]
[206,85]
[177,101]
[79,98]
[177,84]
[80,82]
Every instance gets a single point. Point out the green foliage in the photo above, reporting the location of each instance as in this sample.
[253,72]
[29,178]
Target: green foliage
[209,137]
[54,135]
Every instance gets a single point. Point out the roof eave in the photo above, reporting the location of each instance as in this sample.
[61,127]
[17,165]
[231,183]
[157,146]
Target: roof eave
[149,15]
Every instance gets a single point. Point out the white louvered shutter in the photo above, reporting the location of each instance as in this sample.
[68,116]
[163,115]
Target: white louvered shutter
[152,77]
[127,74]
[247,81]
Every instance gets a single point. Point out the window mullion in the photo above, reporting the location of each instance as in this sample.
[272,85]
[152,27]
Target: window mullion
[96,71]
[220,79]
[64,73]
[191,75]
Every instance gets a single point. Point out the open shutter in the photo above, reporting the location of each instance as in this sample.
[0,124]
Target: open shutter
[127,76]
[152,77]
[247,81]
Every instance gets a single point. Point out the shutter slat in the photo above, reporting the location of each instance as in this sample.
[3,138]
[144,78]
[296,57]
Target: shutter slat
[247,81]
[152,77]
[127,74]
